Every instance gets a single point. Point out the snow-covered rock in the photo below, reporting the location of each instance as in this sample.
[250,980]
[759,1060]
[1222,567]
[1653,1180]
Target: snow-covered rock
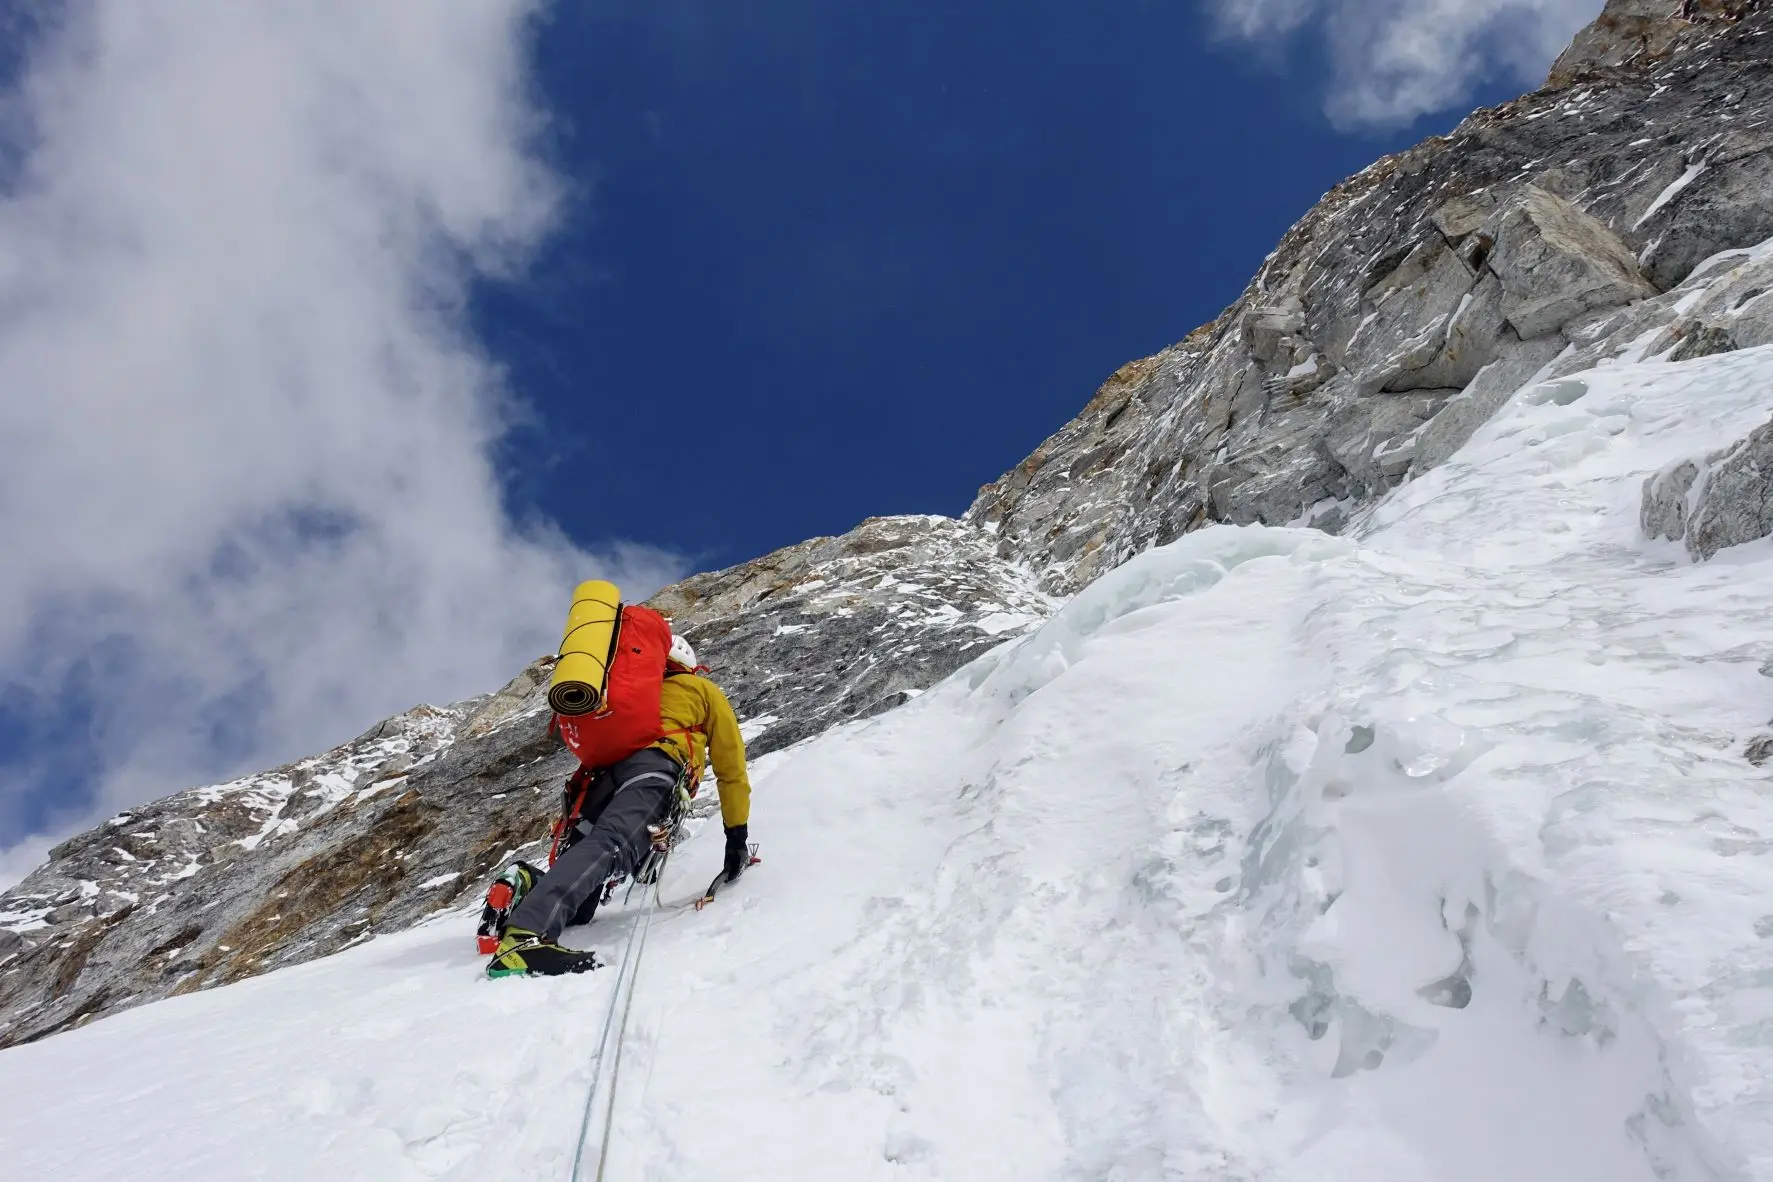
[1722,500]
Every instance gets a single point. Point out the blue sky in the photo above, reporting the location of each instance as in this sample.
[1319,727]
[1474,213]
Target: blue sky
[340,339]
[849,264]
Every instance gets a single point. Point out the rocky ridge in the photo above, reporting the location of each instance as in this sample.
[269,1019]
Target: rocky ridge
[1393,319]
[1633,32]
[1607,217]
[837,629]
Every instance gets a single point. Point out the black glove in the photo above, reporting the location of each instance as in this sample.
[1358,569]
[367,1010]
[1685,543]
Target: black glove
[738,850]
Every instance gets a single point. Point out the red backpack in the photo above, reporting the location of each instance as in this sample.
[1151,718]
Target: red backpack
[629,720]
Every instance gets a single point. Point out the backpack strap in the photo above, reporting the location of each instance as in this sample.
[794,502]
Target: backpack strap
[692,767]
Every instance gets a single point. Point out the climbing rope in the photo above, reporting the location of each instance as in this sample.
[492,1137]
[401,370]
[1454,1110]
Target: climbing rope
[600,1099]
[592,1153]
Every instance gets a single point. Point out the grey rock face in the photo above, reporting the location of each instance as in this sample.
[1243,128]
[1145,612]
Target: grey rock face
[216,884]
[1541,237]
[1724,500]
[1474,406]
[1556,262]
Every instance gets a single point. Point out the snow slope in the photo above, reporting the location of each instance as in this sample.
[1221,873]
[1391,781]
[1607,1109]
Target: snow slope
[1427,856]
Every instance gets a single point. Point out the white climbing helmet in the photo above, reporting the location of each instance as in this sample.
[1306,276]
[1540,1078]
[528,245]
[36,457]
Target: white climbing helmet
[681,653]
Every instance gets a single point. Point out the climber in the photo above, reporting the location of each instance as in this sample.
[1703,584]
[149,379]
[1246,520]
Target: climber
[624,808]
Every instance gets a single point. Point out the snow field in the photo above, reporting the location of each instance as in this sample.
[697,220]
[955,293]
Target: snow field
[1424,856]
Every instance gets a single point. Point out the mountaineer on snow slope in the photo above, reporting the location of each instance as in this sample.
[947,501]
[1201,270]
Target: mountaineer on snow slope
[641,759]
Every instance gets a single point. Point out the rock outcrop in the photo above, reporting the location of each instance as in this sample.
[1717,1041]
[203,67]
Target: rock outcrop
[1711,504]
[1605,218]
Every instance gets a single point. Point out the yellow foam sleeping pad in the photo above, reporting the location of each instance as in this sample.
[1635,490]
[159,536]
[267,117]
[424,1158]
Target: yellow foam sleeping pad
[581,676]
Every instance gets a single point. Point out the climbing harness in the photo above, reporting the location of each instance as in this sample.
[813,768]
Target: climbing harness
[664,838]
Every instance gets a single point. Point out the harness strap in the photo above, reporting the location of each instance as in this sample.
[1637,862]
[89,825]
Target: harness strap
[570,818]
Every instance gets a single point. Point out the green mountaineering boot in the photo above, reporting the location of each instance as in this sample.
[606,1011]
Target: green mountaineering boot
[525,954]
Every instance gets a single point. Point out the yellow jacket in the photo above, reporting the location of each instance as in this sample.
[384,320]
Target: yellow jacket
[700,727]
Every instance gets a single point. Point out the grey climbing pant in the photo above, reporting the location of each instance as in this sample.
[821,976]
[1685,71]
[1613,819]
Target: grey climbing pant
[615,843]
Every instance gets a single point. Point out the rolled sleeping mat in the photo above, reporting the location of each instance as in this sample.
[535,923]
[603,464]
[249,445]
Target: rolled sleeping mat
[581,676]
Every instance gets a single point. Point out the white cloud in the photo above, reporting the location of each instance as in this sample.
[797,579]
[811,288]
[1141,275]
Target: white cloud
[245,482]
[1392,61]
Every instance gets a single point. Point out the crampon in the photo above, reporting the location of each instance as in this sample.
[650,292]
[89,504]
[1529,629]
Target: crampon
[506,891]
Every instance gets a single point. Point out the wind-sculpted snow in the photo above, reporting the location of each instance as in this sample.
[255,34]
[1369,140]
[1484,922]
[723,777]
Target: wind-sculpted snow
[1158,576]
[1426,854]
